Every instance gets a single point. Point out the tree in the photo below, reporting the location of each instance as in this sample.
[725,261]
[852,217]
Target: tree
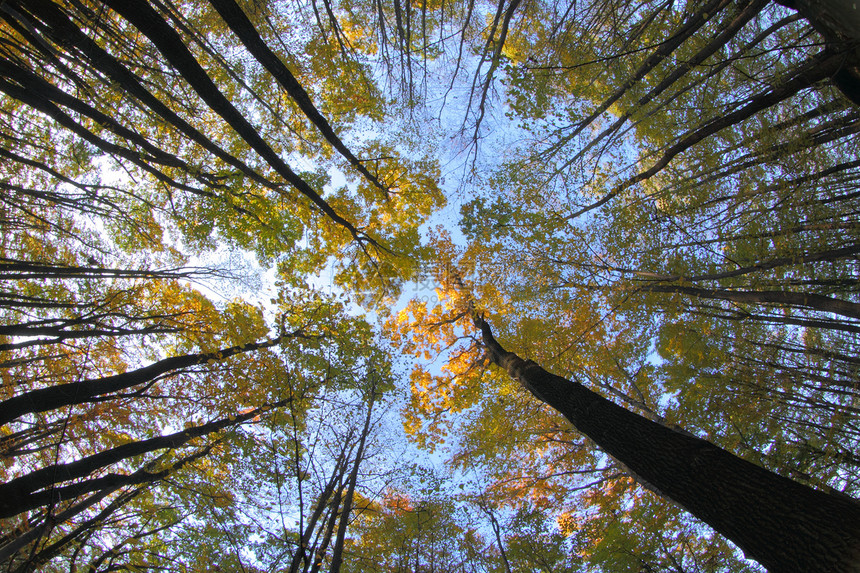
[708,215]
[107,349]
[837,23]
[666,214]
[528,214]
[777,522]
[403,534]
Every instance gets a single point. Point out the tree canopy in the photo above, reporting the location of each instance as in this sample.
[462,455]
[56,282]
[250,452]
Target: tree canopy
[438,286]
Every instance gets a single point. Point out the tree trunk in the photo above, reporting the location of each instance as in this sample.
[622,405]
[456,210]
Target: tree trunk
[838,22]
[39,487]
[785,526]
[301,554]
[321,546]
[818,67]
[72,393]
[144,477]
[239,23]
[35,561]
[65,32]
[337,552]
[804,300]
[176,53]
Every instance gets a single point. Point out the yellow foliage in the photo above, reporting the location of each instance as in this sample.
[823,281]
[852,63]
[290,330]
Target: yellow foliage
[568,523]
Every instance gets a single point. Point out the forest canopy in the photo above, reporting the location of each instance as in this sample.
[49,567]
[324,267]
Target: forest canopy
[380,285]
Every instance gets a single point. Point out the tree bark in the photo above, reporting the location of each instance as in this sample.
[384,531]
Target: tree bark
[838,22]
[337,552]
[46,554]
[301,554]
[663,51]
[236,19]
[818,67]
[321,546]
[176,53]
[731,28]
[28,537]
[785,526]
[38,488]
[69,34]
[73,393]
[804,300]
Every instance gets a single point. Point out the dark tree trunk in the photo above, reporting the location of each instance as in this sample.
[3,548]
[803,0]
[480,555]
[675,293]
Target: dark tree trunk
[785,526]
[337,552]
[44,555]
[170,44]
[53,397]
[68,34]
[301,555]
[233,15]
[40,487]
[788,298]
[838,22]
[321,546]
[820,66]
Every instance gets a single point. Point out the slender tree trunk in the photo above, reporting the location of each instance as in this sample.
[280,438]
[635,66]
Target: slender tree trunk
[14,270]
[732,27]
[322,545]
[73,393]
[34,562]
[233,15]
[337,551]
[805,300]
[68,33]
[170,44]
[143,476]
[663,51]
[835,254]
[301,553]
[38,488]
[785,526]
[28,537]
[497,532]
[816,68]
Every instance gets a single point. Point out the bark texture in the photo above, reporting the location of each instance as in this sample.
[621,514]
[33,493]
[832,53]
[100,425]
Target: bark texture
[784,525]
[838,22]
[72,393]
[41,487]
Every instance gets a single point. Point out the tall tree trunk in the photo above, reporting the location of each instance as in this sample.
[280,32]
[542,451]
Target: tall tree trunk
[788,298]
[838,22]
[44,555]
[39,487]
[65,32]
[176,53]
[301,554]
[321,546]
[236,19]
[785,526]
[818,67]
[144,477]
[337,551]
[72,393]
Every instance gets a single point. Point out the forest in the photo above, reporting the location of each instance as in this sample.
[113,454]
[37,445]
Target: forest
[436,286]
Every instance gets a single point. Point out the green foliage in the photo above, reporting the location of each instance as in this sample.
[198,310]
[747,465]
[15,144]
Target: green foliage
[669,218]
